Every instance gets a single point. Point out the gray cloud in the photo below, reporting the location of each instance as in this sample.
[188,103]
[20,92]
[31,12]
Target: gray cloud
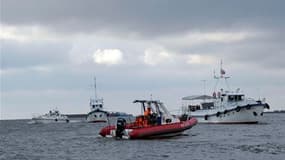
[266,51]
[147,18]
[30,54]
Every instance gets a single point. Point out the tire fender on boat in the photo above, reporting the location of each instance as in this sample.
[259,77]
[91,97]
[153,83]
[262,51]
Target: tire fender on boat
[218,114]
[206,117]
[248,106]
[238,108]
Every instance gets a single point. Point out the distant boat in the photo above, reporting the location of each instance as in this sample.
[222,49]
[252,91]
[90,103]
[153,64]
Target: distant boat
[97,113]
[156,122]
[119,114]
[53,116]
[227,107]
[275,111]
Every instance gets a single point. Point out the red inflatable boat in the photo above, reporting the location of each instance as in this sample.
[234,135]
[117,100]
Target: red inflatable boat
[156,122]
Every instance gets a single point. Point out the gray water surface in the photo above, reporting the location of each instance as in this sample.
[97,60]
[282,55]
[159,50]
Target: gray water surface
[20,140]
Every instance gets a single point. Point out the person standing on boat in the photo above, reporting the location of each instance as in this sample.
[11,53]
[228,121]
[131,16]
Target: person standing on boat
[147,114]
[214,95]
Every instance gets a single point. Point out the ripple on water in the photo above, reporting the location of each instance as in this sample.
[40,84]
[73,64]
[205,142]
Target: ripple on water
[268,148]
[72,141]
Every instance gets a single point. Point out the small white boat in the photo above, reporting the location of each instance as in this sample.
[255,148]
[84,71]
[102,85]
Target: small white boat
[53,116]
[227,107]
[97,113]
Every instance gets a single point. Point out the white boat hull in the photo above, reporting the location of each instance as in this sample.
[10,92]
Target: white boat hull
[244,115]
[94,117]
[37,120]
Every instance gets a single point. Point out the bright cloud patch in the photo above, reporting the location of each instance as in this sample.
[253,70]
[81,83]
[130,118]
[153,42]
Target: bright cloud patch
[198,59]
[199,38]
[108,56]
[153,56]
[26,33]
[218,36]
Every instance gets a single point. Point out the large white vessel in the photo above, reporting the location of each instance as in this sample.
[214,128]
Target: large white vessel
[224,106]
[53,116]
[97,113]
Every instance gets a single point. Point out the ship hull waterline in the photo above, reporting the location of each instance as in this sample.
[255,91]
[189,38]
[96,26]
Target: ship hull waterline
[50,120]
[97,117]
[243,115]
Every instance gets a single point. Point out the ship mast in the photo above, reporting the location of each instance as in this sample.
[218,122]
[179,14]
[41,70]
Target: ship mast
[223,72]
[95,89]
[222,76]
[204,87]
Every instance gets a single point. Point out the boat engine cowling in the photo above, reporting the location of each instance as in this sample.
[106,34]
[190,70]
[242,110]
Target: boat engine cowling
[121,126]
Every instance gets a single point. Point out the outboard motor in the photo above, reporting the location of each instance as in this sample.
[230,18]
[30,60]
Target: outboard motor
[121,125]
[183,117]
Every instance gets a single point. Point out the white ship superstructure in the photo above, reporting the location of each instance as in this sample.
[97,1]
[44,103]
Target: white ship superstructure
[224,106]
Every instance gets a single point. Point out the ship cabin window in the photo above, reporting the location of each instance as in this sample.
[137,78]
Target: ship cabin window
[231,98]
[193,108]
[97,106]
[235,98]
[207,105]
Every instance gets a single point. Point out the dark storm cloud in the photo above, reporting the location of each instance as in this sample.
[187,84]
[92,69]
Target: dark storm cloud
[150,19]
[265,50]
[143,17]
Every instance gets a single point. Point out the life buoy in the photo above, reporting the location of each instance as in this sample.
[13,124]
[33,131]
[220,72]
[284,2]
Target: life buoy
[238,108]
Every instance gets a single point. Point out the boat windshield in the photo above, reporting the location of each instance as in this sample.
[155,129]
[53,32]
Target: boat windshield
[156,107]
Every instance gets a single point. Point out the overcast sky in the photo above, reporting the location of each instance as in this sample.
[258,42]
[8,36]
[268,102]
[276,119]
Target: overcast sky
[51,50]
